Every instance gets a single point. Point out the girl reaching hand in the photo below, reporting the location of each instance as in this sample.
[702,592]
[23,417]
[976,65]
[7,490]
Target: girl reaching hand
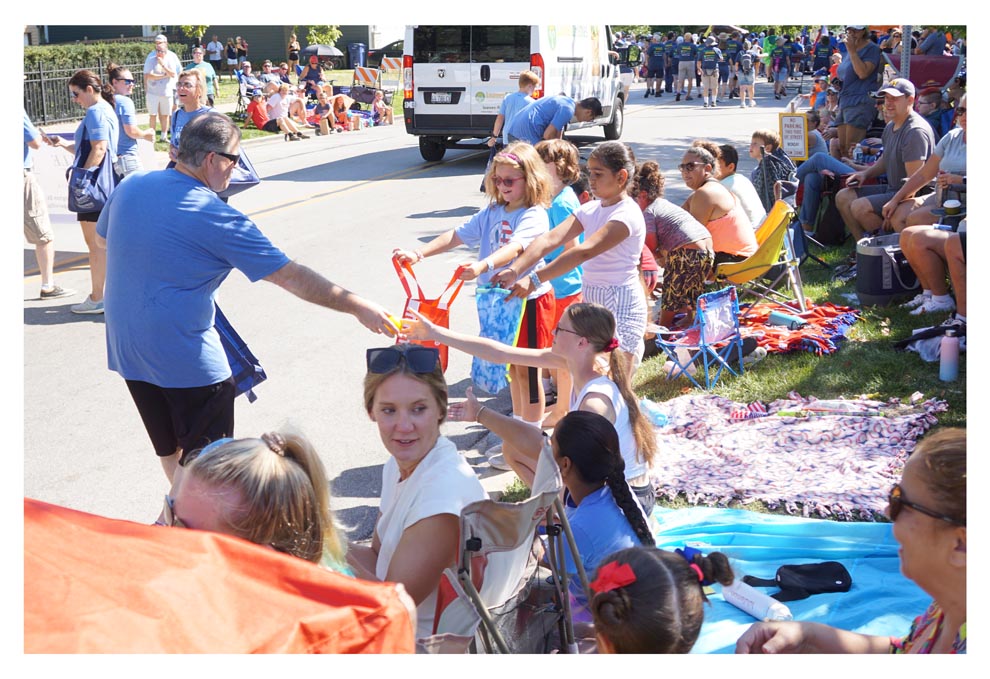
[518,186]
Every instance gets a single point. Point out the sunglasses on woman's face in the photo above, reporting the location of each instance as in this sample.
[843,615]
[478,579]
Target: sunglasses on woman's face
[126,81]
[897,502]
[420,359]
[688,167]
[168,514]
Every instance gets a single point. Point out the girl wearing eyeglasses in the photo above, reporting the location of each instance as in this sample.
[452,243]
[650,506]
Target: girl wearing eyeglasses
[614,233]
[519,190]
[425,483]
[128,159]
[928,510]
[101,128]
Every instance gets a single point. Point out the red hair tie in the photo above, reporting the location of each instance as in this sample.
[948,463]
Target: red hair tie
[612,345]
[613,576]
[697,569]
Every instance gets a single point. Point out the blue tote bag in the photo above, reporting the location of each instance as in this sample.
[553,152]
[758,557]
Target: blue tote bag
[90,188]
[245,369]
[500,320]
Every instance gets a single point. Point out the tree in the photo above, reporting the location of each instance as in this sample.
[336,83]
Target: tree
[323,35]
[195,32]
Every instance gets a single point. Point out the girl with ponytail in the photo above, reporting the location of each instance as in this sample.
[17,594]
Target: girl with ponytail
[585,338]
[647,600]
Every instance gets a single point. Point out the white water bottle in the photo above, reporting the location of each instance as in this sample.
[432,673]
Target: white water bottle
[948,368]
[754,602]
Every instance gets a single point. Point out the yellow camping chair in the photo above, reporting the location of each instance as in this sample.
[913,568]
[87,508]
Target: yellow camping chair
[774,258]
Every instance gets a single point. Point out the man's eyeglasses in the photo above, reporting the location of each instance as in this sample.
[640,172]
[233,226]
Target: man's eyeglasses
[419,359]
[506,181]
[688,167]
[897,502]
[168,514]
[129,81]
[185,84]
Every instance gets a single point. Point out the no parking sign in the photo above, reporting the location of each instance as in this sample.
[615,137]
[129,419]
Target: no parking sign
[794,135]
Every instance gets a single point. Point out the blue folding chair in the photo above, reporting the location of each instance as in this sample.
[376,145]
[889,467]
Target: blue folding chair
[709,343]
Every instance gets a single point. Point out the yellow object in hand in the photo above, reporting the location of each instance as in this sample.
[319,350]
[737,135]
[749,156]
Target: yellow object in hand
[397,322]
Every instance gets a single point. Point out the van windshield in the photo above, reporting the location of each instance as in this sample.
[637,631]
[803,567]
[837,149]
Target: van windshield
[471,44]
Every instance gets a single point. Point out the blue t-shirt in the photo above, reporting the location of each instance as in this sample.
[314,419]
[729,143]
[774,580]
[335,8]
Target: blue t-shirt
[563,206]
[126,115]
[600,529]
[934,44]
[532,121]
[99,124]
[171,242]
[818,143]
[30,134]
[709,56]
[179,120]
[670,50]
[655,54]
[511,105]
[494,227]
[855,90]
[209,74]
[687,51]
[732,49]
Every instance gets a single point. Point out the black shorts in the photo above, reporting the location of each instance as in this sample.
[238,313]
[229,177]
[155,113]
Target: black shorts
[270,126]
[654,72]
[88,216]
[184,418]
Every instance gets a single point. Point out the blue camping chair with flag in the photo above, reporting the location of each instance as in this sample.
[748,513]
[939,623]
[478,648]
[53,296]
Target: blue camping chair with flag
[708,345]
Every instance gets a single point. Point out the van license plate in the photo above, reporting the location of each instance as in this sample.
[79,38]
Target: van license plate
[440,97]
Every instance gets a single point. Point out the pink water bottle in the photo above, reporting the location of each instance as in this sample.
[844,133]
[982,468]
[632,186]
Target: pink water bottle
[948,369]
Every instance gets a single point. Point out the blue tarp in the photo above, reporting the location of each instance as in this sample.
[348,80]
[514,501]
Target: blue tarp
[881,601]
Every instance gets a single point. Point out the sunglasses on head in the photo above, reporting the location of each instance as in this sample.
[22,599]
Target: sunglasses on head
[420,360]
[506,181]
[897,502]
[200,452]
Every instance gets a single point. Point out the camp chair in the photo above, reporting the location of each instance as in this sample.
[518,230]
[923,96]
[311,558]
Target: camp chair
[243,98]
[516,606]
[774,257]
[710,341]
[928,71]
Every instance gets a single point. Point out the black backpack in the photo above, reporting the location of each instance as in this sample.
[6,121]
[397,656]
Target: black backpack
[746,63]
[829,227]
[801,581]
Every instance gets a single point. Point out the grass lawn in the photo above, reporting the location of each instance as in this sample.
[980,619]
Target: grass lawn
[866,366]
[227,94]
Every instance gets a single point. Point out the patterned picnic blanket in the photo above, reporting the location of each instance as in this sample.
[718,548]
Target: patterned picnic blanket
[835,458]
[826,329]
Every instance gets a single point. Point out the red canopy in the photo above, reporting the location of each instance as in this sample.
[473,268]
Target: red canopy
[98,585]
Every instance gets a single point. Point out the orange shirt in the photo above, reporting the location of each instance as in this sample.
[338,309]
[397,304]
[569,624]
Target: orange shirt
[259,114]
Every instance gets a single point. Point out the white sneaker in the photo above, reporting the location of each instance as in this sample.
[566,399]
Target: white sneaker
[87,307]
[918,300]
[496,460]
[933,306]
[752,103]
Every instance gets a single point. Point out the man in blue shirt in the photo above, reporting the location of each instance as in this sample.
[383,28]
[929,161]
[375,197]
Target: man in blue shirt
[733,46]
[932,42]
[670,63]
[511,105]
[170,243]
[655,58]
[687,68]
[546,118]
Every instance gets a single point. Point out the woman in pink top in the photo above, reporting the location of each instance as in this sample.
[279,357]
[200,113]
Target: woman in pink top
[716,207]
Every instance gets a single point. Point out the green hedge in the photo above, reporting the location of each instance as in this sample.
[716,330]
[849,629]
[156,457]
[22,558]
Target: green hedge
[90,54]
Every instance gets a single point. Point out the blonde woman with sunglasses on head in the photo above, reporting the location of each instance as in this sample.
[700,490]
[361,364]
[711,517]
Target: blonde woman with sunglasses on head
[425,483]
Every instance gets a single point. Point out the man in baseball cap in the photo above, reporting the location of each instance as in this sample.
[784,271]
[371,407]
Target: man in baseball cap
[908,141]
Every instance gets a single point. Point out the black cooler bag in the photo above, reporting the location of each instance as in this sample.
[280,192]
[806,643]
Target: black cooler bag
[883,274]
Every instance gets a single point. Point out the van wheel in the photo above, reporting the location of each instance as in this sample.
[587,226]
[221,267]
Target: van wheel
[431,150]
[614,128]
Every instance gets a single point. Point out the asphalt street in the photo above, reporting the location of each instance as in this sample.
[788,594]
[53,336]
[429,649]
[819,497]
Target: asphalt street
[338,204]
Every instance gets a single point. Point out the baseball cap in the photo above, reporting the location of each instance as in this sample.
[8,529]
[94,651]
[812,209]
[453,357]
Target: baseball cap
[898,87]
[710,40]
[857,28]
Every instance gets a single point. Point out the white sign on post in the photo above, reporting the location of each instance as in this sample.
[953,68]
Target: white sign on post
[794,135]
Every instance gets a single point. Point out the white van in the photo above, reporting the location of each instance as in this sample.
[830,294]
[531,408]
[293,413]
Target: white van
[455,77]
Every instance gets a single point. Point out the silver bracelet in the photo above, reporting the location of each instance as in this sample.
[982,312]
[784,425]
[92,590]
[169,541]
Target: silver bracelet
[477,418]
